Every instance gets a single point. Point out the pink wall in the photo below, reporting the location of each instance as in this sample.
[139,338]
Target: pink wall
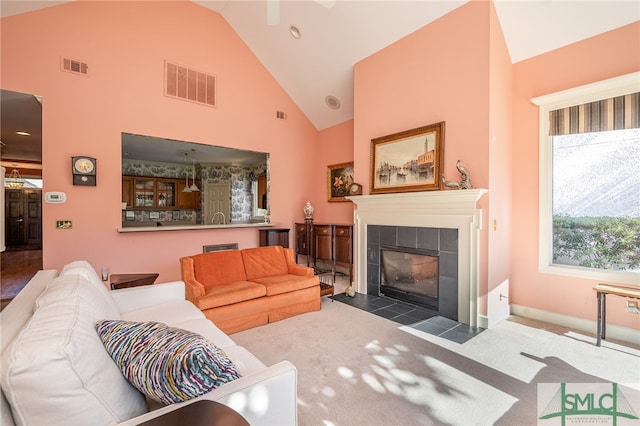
[438,73]
[336,147]
[499,144]
[125,45]
[611,54]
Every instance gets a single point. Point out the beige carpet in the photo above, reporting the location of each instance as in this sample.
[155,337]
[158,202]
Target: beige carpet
[355,368]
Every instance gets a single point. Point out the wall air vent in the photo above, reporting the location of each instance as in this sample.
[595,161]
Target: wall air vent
[74,66]
[280,115]
[190,85]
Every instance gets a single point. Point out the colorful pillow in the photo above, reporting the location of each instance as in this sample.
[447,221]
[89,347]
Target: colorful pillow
[165,363]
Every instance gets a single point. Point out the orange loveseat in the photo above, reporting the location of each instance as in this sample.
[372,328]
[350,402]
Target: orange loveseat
[241,289]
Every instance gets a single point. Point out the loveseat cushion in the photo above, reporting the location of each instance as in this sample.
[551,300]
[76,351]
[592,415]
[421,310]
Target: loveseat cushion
[56,370]
[262,262]
[167,364]
[218,267]
[229,294]
[286,283]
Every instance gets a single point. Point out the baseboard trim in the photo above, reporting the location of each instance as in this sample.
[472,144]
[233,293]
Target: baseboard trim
[617,332]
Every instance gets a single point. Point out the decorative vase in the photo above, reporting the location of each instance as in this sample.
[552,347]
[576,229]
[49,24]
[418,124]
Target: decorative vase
[308,210]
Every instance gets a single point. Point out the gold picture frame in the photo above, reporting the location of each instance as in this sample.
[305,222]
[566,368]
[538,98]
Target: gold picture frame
[408,161]
[339,179]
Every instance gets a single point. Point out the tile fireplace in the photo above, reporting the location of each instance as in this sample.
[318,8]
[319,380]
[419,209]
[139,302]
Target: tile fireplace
[430,220]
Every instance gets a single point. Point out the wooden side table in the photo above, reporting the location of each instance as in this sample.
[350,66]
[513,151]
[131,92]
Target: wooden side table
[200,413]
[274,237]
[601,293]
[131,280]
[326,284]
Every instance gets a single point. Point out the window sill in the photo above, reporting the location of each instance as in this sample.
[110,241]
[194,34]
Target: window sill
[621,277]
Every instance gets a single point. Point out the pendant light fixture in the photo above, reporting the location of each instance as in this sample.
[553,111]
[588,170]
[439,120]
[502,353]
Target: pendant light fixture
[186,175]
[14,181]
[193,187]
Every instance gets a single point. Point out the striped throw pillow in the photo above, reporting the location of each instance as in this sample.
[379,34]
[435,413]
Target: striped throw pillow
[165,363]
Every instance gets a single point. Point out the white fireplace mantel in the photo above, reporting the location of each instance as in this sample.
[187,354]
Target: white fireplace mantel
[455,209]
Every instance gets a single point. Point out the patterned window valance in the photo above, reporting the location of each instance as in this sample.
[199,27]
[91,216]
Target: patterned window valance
[621,112]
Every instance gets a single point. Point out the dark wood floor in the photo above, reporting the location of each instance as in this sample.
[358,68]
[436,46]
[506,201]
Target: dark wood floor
[17,267]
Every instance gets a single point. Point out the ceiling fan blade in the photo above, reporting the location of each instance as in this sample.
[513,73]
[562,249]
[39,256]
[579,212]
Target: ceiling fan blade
[326,3]
[273,12]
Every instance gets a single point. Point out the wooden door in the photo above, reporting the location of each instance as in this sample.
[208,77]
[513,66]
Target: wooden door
[217,198]
[23,218]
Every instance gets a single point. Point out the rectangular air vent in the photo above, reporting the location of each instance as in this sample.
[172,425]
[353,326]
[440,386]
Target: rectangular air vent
[190,85]
[74,66]
[281,115]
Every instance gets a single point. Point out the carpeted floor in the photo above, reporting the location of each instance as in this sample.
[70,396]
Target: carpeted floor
[356,368]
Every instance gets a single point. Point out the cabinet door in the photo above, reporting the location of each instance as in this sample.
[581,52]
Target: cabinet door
[301,239]
[187,200]
[322,237]
[127,191]
[144,192]
[166,193]
[343,242]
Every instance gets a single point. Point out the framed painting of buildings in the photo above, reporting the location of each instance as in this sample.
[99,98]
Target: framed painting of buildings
[408,161]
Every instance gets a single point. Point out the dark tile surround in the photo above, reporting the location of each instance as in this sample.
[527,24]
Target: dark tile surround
[443,240]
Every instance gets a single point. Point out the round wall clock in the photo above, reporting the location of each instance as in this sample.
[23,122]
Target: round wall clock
[83,169]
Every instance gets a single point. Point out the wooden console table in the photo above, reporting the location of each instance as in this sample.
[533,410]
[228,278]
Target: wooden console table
[274,237]
[329,242]
[601,293]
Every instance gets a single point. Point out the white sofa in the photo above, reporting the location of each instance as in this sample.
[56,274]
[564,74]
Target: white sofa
[56,370]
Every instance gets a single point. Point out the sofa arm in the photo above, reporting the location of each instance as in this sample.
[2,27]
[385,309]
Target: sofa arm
[266,397]
[293,266]
[134,298]
[194,288]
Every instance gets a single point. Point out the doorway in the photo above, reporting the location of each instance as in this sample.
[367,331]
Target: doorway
[21,135]
[217,203]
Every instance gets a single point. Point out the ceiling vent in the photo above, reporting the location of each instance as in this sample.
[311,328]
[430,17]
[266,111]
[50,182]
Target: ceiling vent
[74,66]
[190,85]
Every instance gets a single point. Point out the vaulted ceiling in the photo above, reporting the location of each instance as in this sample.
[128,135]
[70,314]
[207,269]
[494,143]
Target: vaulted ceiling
[336,34]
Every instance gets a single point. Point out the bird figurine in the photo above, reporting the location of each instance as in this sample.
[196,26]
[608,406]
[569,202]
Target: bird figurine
[465,182]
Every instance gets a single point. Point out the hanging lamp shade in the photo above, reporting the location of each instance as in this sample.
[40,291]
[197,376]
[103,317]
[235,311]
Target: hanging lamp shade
[14,181]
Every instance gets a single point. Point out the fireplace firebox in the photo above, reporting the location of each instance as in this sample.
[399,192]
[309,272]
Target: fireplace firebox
[410,274]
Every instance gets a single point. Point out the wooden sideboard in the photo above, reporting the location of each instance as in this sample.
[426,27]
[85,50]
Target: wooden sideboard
[326,245]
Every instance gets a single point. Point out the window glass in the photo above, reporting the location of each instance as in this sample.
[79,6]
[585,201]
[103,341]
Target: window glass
[596,200]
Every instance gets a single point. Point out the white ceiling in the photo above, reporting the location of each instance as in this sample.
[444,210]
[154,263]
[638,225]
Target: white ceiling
[337,34]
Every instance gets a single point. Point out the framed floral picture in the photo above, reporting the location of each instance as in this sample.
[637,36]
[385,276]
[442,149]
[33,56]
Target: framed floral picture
[408,161]
[339,178]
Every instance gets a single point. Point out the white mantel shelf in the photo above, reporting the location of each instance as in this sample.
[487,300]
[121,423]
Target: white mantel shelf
[454,209]
[459,199]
